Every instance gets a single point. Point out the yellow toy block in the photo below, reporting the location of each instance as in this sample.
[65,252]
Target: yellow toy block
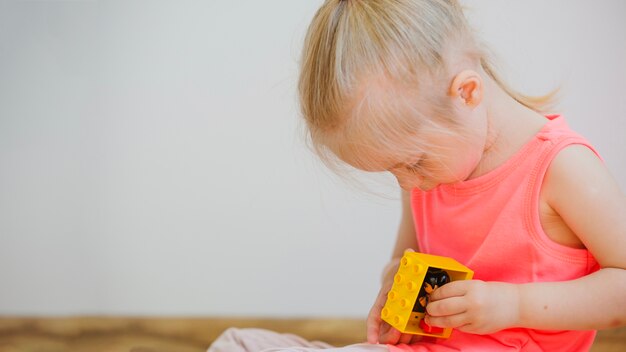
[419,274]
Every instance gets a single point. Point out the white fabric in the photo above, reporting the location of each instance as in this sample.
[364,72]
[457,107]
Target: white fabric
[260,340]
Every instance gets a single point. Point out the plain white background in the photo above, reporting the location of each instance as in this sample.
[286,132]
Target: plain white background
[152,159]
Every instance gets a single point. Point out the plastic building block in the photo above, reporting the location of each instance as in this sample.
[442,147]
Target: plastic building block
[418,275]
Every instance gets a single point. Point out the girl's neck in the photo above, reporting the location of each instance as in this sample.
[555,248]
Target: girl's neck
[510,126]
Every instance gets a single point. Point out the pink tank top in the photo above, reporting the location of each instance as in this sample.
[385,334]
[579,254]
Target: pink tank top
[491,224]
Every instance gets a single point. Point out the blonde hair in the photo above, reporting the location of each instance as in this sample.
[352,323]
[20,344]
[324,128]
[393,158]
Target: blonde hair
[405,45]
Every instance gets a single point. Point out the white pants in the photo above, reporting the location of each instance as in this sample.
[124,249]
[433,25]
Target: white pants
[260,340]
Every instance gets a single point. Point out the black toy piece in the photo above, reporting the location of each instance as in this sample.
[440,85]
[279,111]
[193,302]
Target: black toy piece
[434,278]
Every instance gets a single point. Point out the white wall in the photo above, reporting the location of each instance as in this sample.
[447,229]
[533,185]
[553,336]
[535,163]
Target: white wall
[151,160]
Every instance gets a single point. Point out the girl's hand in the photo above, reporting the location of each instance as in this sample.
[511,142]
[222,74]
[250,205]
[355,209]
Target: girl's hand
[379,331]
[474,306]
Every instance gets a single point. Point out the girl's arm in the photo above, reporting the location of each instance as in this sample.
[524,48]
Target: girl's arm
[596,301]
[406,239]
[378,330]
[406,233]
[580,189]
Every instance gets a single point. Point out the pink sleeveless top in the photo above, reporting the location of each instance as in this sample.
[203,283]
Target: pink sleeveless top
[491,224]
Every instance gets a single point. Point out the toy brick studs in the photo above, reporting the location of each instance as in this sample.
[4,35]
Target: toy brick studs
[418,275]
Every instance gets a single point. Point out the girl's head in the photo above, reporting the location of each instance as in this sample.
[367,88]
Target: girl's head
[396,85]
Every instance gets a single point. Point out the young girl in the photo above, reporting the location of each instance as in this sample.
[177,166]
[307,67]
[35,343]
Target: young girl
[487,179]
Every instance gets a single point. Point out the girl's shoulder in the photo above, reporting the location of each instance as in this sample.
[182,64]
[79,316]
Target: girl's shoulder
[579,193]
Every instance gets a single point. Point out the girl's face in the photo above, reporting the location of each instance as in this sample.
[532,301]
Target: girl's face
[426,160]
[420,156]
[449,159]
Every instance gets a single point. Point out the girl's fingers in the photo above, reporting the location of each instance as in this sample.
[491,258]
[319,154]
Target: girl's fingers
[416,339]
[405,338]
[452,289]
[391,336]
[374,321]
[373,327]
[372,333]
[448,306]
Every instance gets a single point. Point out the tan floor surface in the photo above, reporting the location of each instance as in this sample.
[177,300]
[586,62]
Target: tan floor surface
[113,334]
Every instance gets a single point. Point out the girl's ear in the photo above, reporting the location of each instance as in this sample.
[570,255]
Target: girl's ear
[468,87]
